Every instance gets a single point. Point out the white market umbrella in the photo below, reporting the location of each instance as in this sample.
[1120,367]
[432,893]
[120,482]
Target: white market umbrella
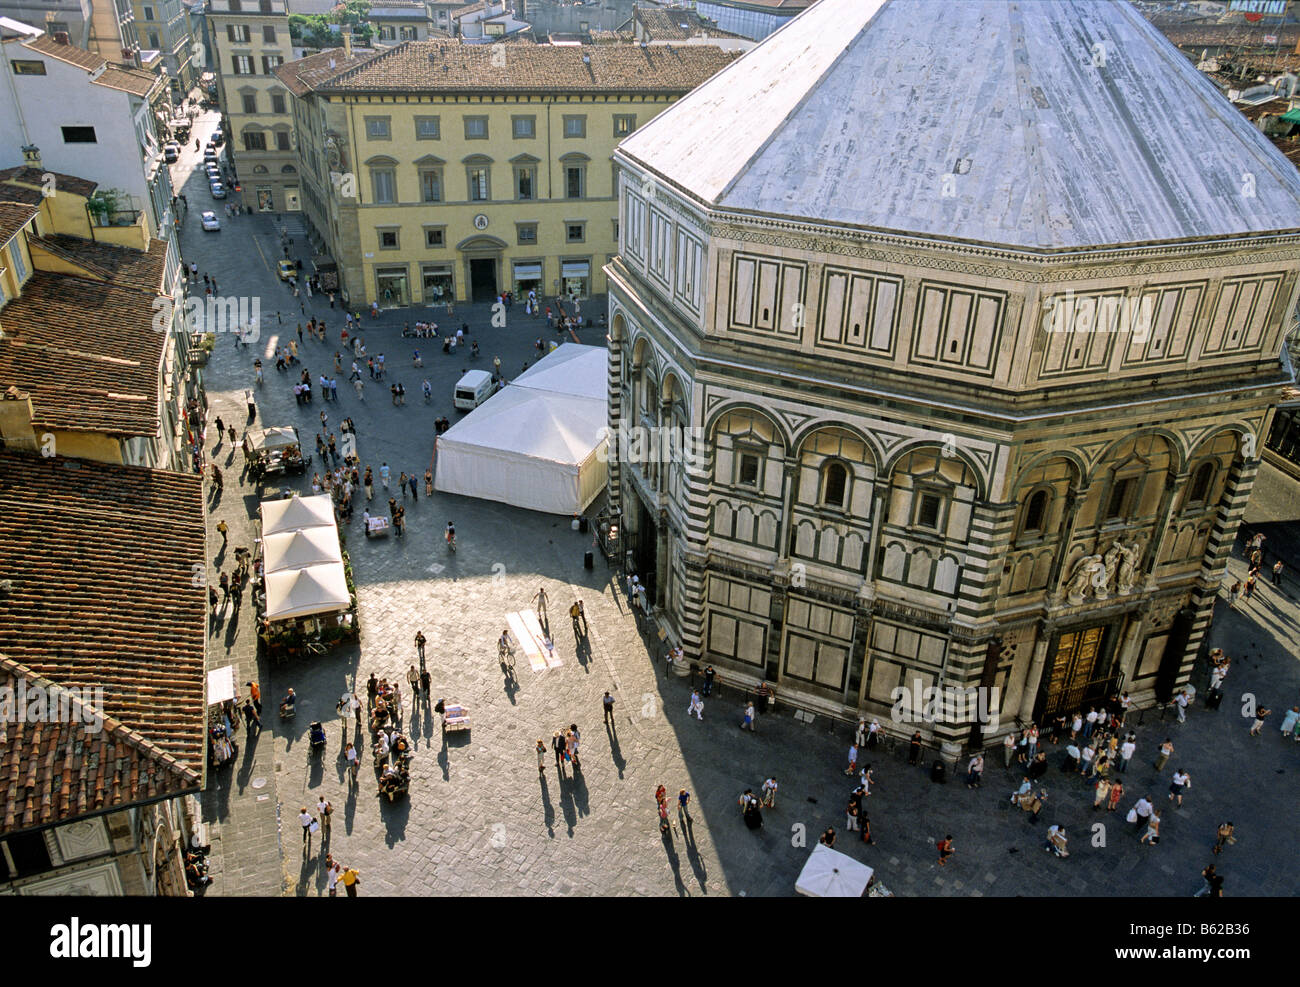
[303,592]
[299,549]
[831,874]
[297,512]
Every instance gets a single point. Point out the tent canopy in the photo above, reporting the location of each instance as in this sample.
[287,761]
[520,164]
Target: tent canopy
[279,437]
[831,874]
[297,512]
[299,549]
[536,444]
[221,685]
[306,591]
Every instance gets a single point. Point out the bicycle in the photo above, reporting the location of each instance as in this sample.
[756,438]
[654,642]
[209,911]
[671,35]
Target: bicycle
[314,646]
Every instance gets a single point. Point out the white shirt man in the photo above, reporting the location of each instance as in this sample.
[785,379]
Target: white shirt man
[1126,750]
[1073,751]
[1143,808]
[1089,752]
[1077,725]
[1092,717]
[333,874]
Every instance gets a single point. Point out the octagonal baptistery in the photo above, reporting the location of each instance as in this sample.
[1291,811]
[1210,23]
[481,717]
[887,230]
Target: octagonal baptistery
[977,311]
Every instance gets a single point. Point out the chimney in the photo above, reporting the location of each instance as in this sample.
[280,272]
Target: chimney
[32,156]
[61,37]
[347,41]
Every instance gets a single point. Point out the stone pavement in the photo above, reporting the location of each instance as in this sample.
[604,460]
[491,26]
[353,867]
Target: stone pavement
[480,821]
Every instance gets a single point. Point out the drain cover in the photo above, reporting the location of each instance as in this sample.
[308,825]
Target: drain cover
[259,782]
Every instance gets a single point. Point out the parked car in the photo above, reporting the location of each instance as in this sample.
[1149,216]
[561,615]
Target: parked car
[171,151]
[218,190]
[210,222]
[213,173]
[286,269]
[218,138]
[210,157]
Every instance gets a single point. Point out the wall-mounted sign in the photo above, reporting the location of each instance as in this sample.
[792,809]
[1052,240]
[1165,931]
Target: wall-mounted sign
[480,222]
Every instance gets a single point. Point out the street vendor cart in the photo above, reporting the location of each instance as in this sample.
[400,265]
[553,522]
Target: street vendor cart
[223,715]
[274,452]
[455,717]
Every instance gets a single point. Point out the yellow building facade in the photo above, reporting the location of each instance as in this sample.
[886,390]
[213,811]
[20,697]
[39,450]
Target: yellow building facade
[441,171]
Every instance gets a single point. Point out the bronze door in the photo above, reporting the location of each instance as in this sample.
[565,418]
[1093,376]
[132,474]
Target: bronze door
[1073,670]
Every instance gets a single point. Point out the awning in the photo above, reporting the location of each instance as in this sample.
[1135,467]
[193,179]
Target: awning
[1291,116]
[299,549]
[221,685]
[576,269]
[528,272]
[303,592]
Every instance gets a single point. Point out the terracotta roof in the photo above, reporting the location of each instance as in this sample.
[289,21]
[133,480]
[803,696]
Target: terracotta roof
[677,24]
[302,76]
[87,353]
[143,270]
[56,770]
[609,37]
[80,57]
[448,66]
[13,217]
[98,561]
[129,81]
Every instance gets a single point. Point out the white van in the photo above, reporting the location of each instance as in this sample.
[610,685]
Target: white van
[473,389]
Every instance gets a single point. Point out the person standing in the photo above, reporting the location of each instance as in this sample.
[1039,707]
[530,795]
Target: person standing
[1008,748]
[351,879]
[1116,793]
[1249,588]
[1289,721]
[1166,751]
[709,675]
[333,871]
[1277,573]
[557,745]
[1126,752]
[769,793]
[541,757]
[946,850]
[696,706]
[683,805]
[237,592]
[1181,701]
[607,705]
[975,771]
[326,810]
[539,598]
[1181,782]
[914,749]
[413,679]
[353,762]
[828,838]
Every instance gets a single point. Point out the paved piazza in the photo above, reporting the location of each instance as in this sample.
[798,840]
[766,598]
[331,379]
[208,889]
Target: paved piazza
[478,821]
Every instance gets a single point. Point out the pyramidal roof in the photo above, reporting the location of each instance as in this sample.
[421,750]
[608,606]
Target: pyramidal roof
[1046,124]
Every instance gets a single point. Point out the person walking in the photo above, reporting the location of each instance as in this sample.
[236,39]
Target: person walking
[1213,883]
[224,582]
[853,760]
[769,793]
[420,641]
[539,599]
[541,757]
[748,722]
[696,706]
[1008,749]
[333,871]
[237,593]
[851,816]
[1102,793]
[1261,713]
[1180,701]
[1152,836]
[683,805]
[1224,837]
[975,771]
[1166,751]
[308,821]
[1116,793]
[369,483]
[212,600]
[1141,812]
[1181,782]
[384,473]
[607,705]
[353,761]
[223,529]
[413,680]
[946,850]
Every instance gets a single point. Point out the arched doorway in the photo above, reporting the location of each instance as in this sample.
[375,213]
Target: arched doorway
[482,256]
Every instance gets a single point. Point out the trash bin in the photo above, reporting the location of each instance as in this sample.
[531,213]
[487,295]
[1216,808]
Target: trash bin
[588,561]
[583,524]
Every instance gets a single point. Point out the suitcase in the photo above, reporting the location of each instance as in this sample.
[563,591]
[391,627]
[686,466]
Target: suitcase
[1213,699]
[938,772]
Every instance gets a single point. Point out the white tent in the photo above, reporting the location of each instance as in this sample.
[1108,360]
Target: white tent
[831,874]
[538,443]
[301,558]
[303,592]
[296,512]
[301,548]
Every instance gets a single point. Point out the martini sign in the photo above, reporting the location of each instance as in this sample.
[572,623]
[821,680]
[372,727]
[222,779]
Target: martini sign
[1256,10]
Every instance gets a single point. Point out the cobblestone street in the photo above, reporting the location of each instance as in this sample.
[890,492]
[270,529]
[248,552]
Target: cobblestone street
[480,821]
